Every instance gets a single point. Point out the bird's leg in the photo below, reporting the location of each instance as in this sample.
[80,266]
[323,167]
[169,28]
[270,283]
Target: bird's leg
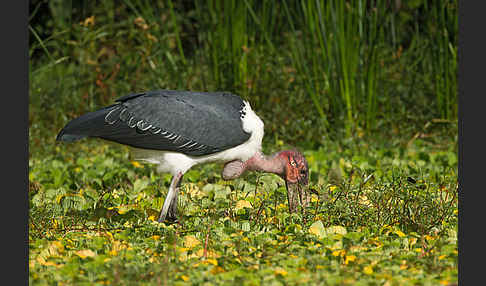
[171,195]
[172,213]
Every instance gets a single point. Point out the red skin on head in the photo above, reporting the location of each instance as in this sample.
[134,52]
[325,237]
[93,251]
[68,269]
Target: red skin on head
[295,163]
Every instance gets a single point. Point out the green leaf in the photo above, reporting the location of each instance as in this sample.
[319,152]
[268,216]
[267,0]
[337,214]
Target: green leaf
[317,228]
[140,185]
[221,192]
[245,226]
[336,229]
[193,176]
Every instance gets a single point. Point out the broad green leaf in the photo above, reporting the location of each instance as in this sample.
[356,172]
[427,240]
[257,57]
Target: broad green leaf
[140,184]
[336,229]
[221,193]
[317,228]
[85,253]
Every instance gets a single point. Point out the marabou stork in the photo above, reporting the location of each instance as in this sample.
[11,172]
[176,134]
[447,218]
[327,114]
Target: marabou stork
[179,129]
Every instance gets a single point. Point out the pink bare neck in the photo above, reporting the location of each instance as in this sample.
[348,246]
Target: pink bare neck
[269,164]
[259,162]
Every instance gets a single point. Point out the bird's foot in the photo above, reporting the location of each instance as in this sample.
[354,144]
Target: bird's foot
[171,216]
[168,219]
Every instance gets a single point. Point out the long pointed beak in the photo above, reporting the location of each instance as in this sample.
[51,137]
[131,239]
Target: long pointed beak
[297,194]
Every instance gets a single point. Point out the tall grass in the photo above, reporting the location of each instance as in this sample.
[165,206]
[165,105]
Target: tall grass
[340,55]
[95,58]
[442,28]
[336,47]
[224,38]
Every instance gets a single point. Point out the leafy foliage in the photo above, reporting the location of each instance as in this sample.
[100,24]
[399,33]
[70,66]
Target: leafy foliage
[377,215]
[384,203]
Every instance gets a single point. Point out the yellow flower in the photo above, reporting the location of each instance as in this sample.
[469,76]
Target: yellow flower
[216,270]
[339,252]
[368,270]
[211,261]
[349,258]
[136,164]
[281,206]
[399,233]
[110,235]
[185,278]
[280,271]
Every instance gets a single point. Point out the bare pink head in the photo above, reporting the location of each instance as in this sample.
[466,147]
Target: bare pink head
[295,173]
[296,169]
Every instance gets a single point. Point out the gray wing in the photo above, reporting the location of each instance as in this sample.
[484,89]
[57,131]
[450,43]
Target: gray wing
[193,123]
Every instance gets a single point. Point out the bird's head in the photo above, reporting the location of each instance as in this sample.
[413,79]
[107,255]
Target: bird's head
[296,175]
[296,170]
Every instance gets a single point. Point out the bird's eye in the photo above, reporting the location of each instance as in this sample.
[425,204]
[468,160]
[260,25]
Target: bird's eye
[292,163]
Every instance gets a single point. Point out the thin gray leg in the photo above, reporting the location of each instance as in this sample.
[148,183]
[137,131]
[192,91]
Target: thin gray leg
[172,213]
[171,195]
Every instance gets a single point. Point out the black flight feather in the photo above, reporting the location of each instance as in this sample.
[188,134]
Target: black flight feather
[193,123]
